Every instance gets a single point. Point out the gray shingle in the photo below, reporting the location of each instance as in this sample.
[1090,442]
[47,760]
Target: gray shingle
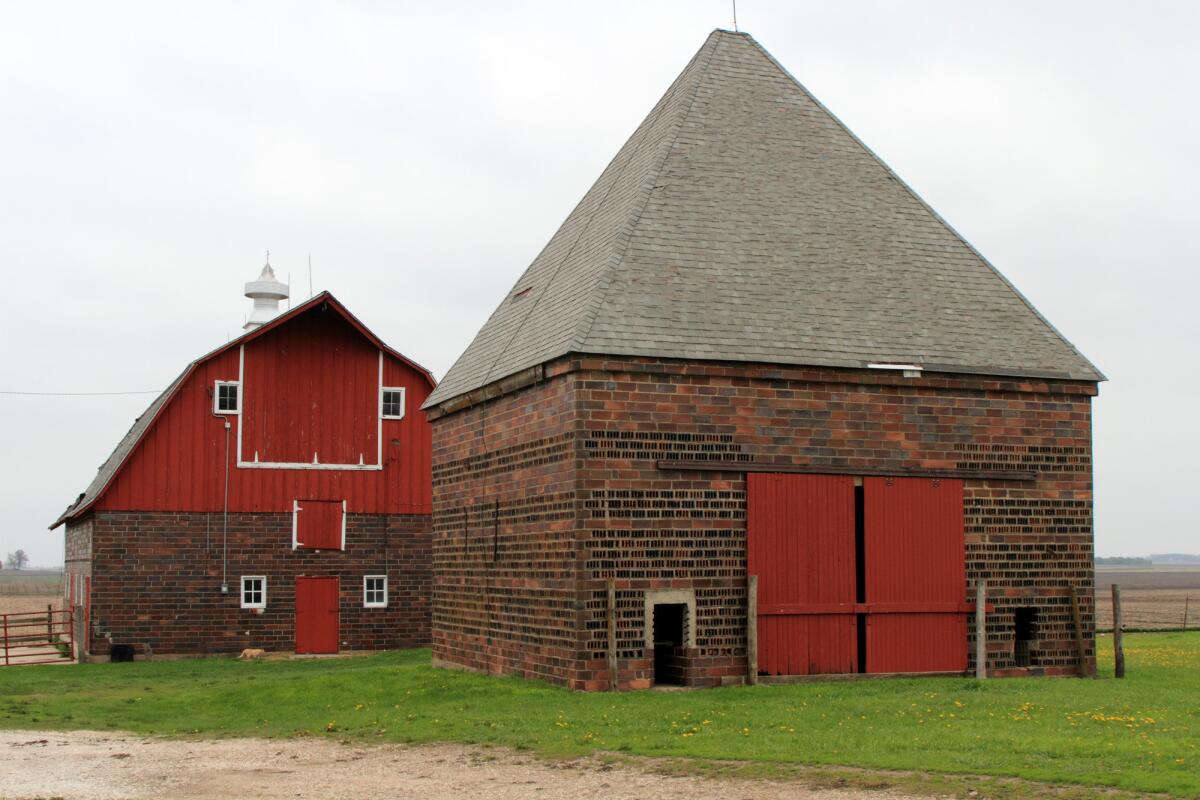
[743,222]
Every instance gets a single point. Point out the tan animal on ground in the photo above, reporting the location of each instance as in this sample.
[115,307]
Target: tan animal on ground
[251,653]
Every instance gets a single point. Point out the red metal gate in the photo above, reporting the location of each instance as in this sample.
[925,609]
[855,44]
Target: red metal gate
[37,637]
[316,615]
[800,544]
[915,575]
[895,565]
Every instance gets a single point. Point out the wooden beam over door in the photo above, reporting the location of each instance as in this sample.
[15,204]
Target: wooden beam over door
[1019,476]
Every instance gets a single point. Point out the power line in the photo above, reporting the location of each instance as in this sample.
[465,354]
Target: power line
[79,394]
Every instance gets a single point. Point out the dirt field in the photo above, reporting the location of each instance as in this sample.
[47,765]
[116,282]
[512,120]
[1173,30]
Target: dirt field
[24,591]
[29,590]
[1152,597]
[101,766]
[17,604]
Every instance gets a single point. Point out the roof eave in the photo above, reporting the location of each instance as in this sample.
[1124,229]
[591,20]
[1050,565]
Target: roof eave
[514,380]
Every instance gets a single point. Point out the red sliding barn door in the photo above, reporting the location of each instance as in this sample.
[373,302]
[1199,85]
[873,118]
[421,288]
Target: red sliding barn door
[316,615]
[800,544]
[915,575]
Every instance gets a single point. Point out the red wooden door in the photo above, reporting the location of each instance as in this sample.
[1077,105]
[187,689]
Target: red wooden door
[316,615]
[915,575]
[319,524]
[800,544]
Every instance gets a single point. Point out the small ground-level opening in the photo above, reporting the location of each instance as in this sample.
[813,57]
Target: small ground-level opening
[670,638]
[120,652]
[1024,623]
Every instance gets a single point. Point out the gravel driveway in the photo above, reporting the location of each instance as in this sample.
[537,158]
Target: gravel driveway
[38,764]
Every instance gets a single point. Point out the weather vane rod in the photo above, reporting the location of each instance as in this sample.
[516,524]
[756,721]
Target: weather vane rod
[735,27]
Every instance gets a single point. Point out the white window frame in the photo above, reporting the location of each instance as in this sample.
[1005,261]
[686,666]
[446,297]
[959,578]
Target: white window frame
[242,592]
[368,603]
[217,397]
[403,401]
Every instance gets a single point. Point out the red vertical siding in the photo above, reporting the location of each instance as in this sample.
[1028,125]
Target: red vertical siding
[299,401]
[800,544]
[179,464]
[914,556]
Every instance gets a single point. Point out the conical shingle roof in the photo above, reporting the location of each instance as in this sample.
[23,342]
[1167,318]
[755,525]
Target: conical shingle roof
[742,221]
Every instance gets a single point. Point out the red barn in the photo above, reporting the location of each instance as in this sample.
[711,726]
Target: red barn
[276,495]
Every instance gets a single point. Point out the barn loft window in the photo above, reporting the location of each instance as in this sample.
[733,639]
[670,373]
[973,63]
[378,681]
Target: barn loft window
[393,403]
[375,592]
[254,591]
[225,397]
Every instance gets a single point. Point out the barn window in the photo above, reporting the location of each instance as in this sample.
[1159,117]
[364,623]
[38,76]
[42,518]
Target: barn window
[319,524]
[225,397]
[254,591]
[393,402]
[375,591]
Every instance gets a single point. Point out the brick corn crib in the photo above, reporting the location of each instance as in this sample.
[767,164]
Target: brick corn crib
[613,429]
[545,491]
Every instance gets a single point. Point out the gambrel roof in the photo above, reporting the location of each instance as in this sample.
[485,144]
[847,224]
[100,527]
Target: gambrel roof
[743,222]
[120,454]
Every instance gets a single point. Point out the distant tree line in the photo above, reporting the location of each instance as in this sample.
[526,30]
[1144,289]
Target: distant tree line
[1123,561]
[1175,558]
[17,560]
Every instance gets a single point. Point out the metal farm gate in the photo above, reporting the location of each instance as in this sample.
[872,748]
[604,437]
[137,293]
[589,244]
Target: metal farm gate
[866,578]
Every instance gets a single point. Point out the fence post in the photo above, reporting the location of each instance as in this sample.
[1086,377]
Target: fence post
[79,634]
[613,674]
[752,630]
[981,629]
[1077,619]
[1187,598]
[49,622]
[1118,637]
[5,638]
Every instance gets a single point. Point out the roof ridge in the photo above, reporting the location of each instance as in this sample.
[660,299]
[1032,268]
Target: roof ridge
[602,282]
[921,201]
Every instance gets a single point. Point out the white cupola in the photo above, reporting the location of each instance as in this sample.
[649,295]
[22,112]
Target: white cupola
[266,292]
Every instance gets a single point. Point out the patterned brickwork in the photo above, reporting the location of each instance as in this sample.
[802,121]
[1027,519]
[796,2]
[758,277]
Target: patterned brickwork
[157,579]
[504,519]
[636,520]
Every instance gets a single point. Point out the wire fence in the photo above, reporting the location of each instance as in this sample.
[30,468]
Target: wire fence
[1149,613]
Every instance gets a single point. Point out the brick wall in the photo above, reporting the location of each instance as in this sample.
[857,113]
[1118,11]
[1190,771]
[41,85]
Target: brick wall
[649,528]
[504,598]
[157,578]
[77,558]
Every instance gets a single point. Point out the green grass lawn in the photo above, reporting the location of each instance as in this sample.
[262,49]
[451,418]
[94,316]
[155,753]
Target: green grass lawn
[1141,734]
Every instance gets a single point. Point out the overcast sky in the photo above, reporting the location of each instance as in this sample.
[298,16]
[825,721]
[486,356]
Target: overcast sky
[423,153]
